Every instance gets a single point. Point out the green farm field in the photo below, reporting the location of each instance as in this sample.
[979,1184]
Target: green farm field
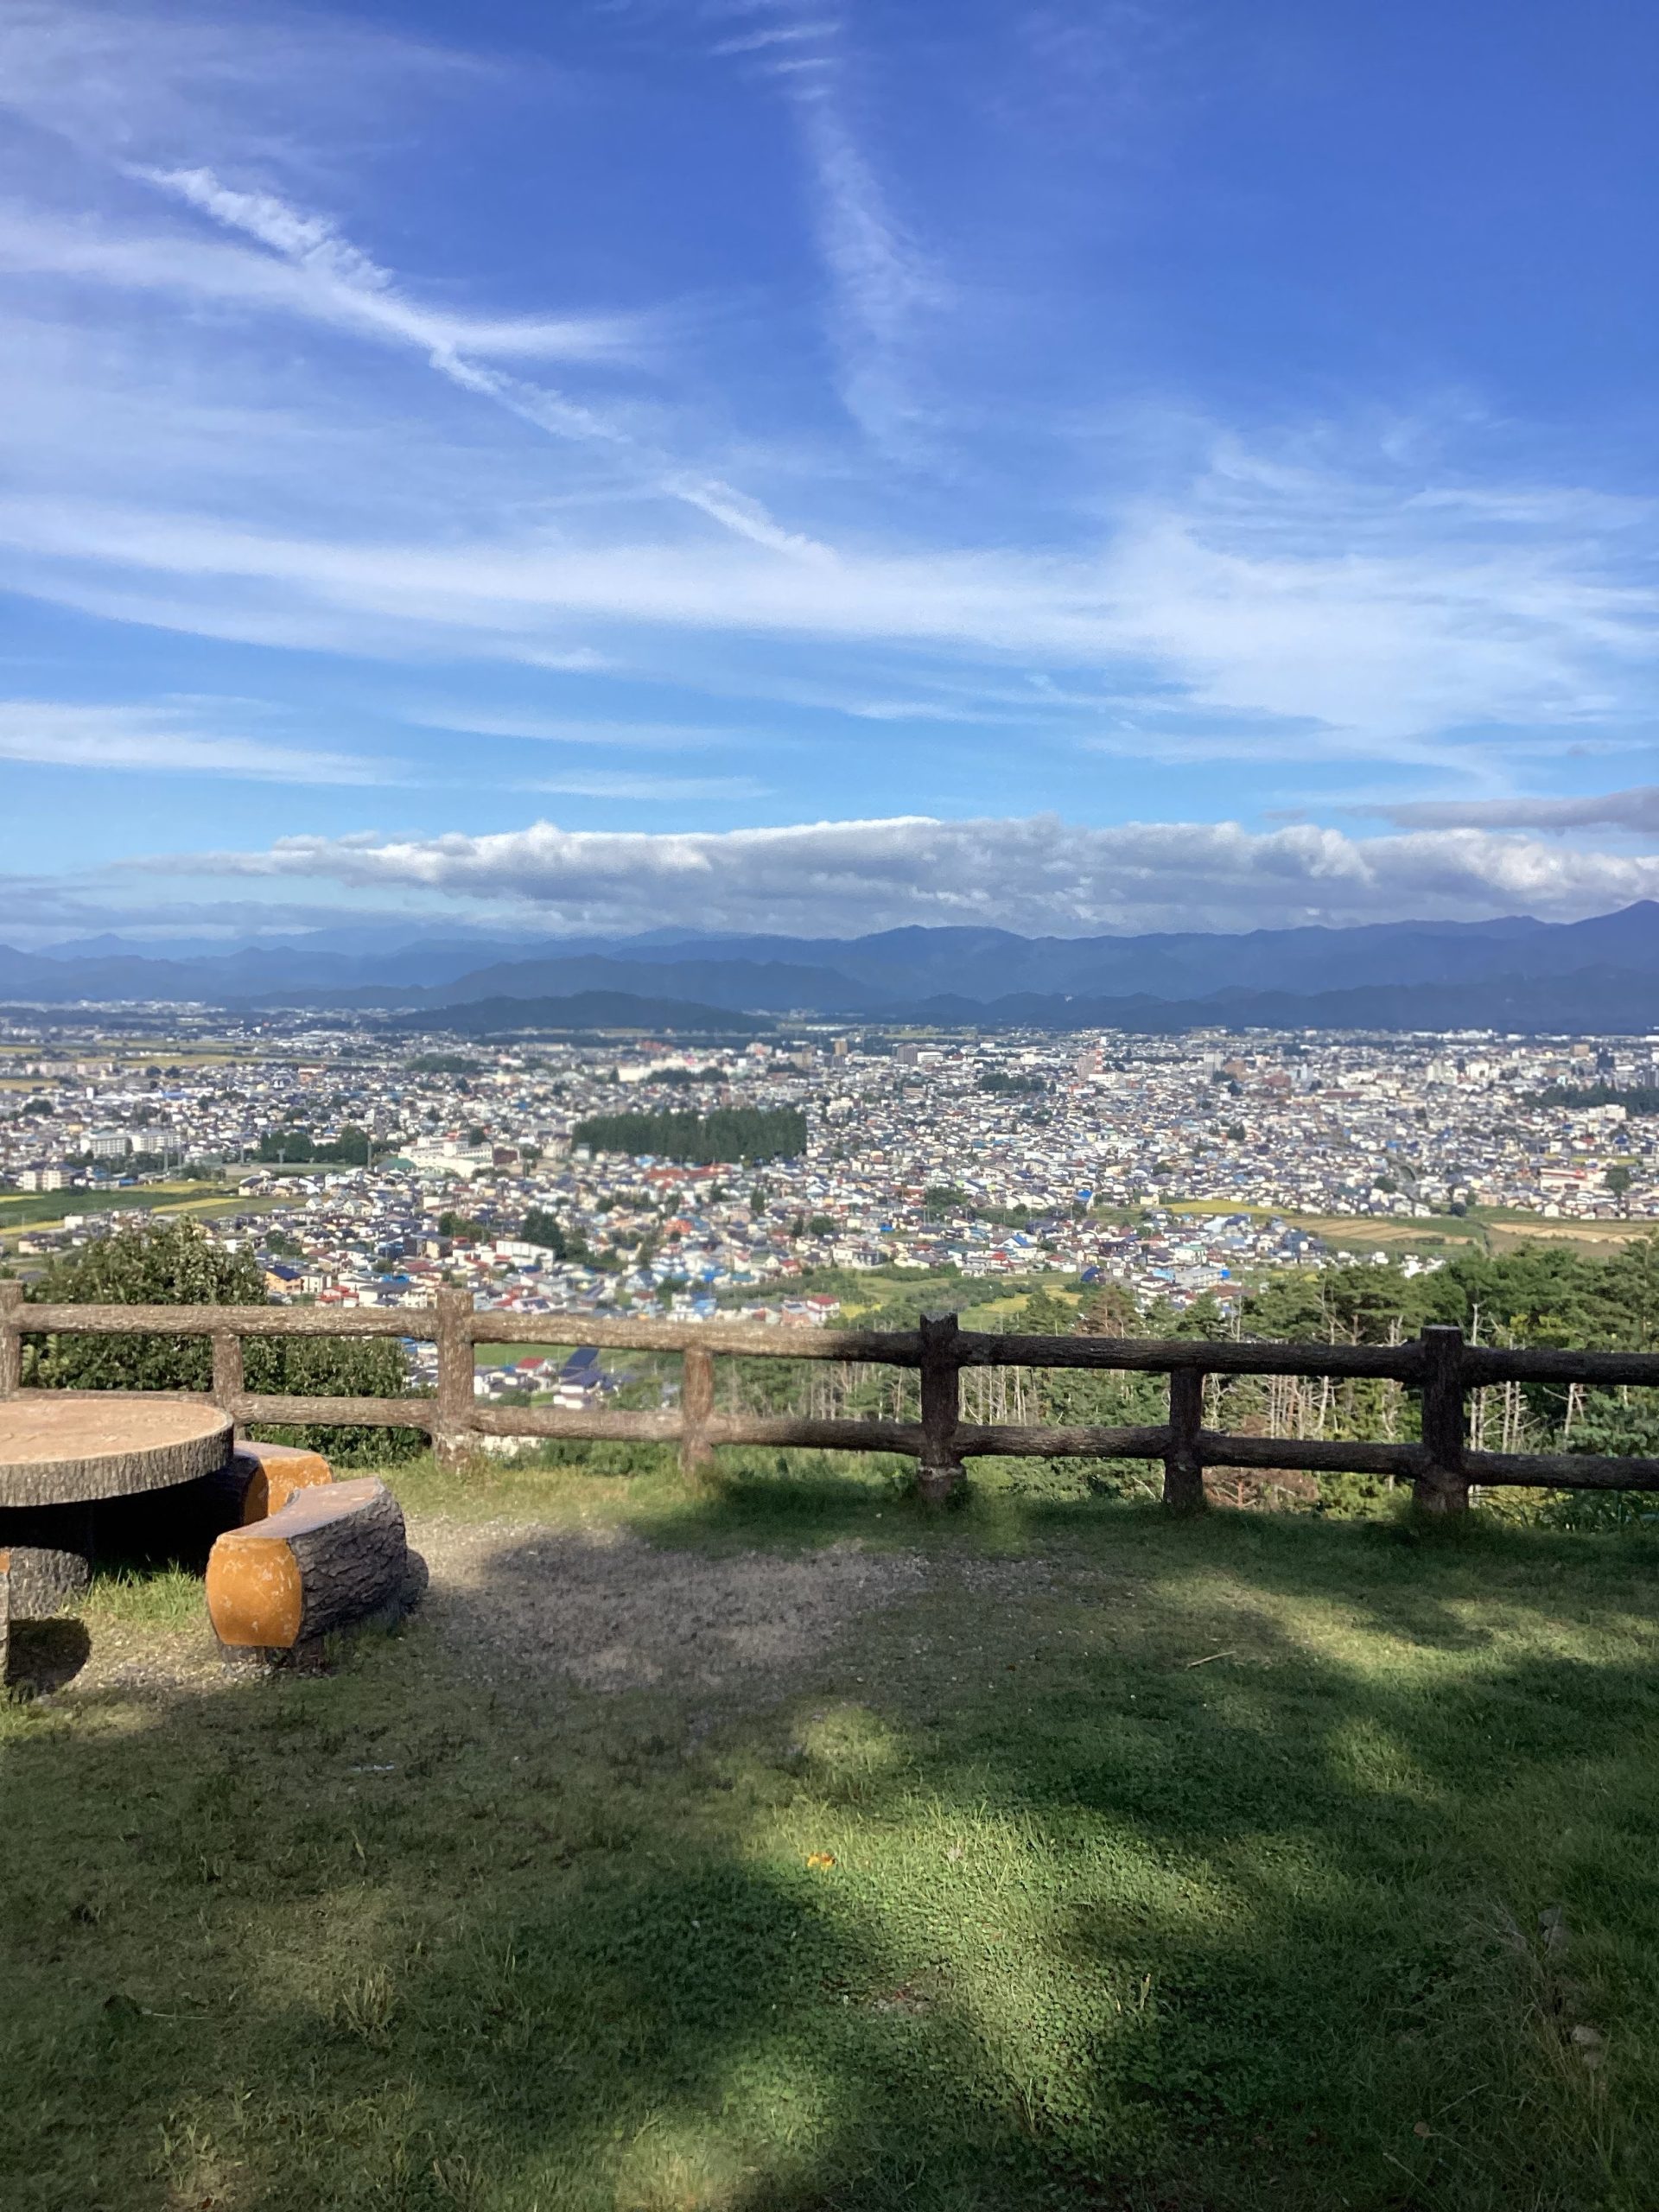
[42,1210]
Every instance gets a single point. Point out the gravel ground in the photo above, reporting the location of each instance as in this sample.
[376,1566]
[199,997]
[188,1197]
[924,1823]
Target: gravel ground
[603,1608]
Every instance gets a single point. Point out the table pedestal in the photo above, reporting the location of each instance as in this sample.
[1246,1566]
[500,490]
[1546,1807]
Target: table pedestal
[52,1549]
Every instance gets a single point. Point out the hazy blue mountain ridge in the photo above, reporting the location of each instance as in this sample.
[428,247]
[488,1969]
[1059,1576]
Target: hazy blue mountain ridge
[1498,965]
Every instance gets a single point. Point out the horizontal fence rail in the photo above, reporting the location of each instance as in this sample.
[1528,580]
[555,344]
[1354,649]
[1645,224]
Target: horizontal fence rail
[1438,1364]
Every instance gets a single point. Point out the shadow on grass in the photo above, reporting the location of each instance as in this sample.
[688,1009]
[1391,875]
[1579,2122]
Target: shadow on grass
[1208,1875]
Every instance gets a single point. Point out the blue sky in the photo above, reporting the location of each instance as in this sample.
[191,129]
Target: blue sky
[752,464]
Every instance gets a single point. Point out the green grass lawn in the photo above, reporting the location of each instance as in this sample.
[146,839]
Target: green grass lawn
[1260,1862]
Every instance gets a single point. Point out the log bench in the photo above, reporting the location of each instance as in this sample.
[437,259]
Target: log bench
[333,1557]
[265,1476]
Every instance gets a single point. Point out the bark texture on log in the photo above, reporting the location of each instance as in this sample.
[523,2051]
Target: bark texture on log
[1166,1355]
[235,1320]
[11,1342]
[1442,1486]
[271,1474]
[1183,1460]
[335,1554]
[326,1412]
[51,1553]
[939,1464]
[456,1367]
[697,1403]
[984,1441]
[1562,1469]
[58,1450]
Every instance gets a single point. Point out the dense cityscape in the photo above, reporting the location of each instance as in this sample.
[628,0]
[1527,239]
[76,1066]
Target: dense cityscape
[363,1170]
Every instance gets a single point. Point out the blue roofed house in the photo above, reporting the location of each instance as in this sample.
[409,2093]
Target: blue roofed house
[580,1380]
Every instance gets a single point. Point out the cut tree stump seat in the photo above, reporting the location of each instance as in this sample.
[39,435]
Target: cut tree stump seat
[333,1557]
[266,1476]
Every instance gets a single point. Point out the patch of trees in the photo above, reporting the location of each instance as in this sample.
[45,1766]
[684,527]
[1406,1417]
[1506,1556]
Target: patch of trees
[1635,1098]
[176,1264]
[1540,1295]
[998,1081]
[729,1134]
[540,1227]
[300,1147]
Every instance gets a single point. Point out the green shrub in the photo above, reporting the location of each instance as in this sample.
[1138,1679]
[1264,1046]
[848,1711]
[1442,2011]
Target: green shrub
[176,1263]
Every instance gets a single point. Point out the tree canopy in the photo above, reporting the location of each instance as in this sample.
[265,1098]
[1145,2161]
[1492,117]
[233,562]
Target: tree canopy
[729,1134]
[298,1147]
[176,1263]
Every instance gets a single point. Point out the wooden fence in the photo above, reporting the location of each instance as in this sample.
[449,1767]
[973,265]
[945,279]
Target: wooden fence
[1439,1365]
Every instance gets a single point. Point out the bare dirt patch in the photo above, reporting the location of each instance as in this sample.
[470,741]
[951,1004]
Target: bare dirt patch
[603,1609]
[611,1612]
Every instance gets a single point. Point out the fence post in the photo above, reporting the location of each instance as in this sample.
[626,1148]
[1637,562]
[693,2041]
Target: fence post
[1183,1467]
[454,1411]
[228,1379]
[1442,1487]
[697,1403]
[938,1471]
[11,1339]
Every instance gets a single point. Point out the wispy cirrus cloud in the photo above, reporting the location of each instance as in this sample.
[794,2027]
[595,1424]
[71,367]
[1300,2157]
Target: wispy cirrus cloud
[666,791]
[1635,810]
[132,81]
[1038,874]
[558,730]
[1226,617]
[351,287]
[884,285]
[310,271]
[171,741]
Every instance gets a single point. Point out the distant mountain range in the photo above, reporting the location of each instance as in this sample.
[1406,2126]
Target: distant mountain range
[586,1011]
[1516,974]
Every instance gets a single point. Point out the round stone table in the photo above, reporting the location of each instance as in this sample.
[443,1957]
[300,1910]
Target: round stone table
[60,1456]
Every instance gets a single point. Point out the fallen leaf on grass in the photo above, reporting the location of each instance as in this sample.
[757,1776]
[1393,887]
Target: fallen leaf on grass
[820,1858]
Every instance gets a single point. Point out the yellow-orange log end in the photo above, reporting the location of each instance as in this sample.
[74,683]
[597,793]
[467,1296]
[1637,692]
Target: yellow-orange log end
[277,1472]
[256,1594]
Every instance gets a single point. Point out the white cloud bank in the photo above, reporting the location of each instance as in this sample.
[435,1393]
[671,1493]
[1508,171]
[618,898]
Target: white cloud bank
[1037,875]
